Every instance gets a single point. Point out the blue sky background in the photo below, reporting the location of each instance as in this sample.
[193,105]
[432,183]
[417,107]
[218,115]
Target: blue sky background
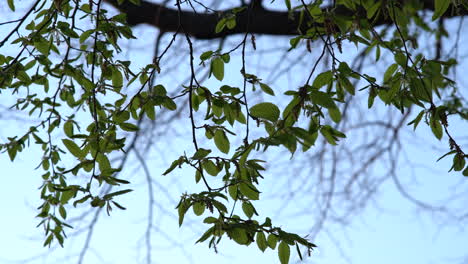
[389,230]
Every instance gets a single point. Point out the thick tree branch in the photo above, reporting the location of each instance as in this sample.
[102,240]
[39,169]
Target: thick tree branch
[262,21]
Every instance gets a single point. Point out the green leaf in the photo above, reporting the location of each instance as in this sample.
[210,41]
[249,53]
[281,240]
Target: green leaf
[389,72]
[239,235]
[261,241]
[198,176]
[117,79]
[267,89]
[74,149]
[447,154]
[198,208]
[249,191]
[232,189]
[85,35]
[121,117]
[174,164]
[103,162]
[284,252]
[323,79]
[182,209]
[169,104]
[436,128]
[417,119]
[210,167]
[149,111]
[217,68]
[401,59]
[67,195]
[210,220]
[465,172]
[248,209]
[82,200]
[43,47]
[458,162]
[294,41]
[201,153]
[322,99]
[349,87]
[266,111]
[327,133]
[373,9]
[440,8]
[220,25]
[272,240]
[12,152]
[11,5]
[221,141]
[226,57]
[128,127]
[62,212]
[48,240]
[68,128]
[231,23]
[206,55]
[117,193]
[335,114]
[206,235]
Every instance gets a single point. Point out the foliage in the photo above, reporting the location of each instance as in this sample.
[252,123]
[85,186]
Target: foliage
[66,73]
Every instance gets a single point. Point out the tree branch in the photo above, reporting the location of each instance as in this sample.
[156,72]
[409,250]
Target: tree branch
[262,21]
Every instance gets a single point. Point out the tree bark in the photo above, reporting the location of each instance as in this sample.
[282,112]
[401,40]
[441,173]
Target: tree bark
[255,19]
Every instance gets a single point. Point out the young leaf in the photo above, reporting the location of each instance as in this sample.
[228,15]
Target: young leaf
[210,167]
[272,240]
[322,99]
[206,235]
[458,162]
[201,153]
[62,212]
[436,128]
[323,79]
[172,167]
[11,5]
[128,127]
[261,241]
[284,252]
[335,114]
[249,191]
[198,208]
[248,209]
[117,79]
[400,58]
[117,193]
[267,89]
[220,25]
[440,7]
[266,111]
[206,55]
[221,141]
[68,128]
[417,119]
[73,148]
[232,189]
[182,209]
[217,68]
[239,235]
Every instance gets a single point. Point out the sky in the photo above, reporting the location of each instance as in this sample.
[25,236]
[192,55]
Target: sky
[388,230]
